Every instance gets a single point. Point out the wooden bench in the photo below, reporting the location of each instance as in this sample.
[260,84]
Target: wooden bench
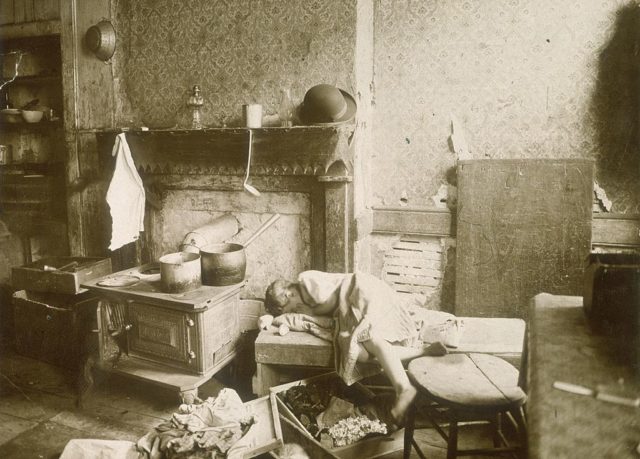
[276,356]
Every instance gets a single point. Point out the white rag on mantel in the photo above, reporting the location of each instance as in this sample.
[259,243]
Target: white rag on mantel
[125,196]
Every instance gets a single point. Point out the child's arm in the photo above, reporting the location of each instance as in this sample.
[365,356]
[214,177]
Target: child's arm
[301,322]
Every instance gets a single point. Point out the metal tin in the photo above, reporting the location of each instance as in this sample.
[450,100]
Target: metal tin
[180,272]
[5,154]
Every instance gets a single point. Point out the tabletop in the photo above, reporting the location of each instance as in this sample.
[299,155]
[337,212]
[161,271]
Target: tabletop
[561,348]
[468,380]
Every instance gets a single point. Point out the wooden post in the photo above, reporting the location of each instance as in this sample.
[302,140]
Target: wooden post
[88,84]
[337,223]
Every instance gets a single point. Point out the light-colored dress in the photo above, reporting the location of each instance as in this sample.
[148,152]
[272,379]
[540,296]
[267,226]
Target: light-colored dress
[364,306]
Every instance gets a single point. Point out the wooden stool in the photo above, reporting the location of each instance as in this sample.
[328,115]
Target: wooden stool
[468,387]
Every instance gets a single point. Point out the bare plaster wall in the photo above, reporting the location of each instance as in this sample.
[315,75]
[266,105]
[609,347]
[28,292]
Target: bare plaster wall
[544,79]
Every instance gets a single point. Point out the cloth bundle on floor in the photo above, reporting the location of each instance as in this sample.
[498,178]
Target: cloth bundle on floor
[218,426]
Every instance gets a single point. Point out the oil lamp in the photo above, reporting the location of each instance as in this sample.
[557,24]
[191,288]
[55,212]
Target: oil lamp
[195,102]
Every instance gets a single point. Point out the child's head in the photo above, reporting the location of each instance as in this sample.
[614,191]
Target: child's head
[276,297]
[281,297]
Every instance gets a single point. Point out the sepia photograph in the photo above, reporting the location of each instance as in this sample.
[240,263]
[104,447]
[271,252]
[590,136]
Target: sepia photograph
[313,229]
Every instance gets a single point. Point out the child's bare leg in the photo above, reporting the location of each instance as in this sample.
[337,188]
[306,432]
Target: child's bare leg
[409,353]
[363,355]
[391,363]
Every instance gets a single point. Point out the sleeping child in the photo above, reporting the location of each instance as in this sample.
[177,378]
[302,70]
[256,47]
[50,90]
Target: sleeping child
[373,323]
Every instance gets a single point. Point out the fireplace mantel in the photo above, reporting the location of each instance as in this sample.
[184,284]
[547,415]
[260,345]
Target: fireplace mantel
[317,160]
[300,150]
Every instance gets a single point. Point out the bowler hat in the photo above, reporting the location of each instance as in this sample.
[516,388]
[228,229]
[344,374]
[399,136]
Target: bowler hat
[326,104]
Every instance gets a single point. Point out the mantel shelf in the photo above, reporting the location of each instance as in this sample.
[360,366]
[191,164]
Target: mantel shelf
[298,150]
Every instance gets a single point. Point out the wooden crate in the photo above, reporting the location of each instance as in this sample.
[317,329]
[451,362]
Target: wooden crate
[38,276]
[291,433]
[370,448]
[54,328]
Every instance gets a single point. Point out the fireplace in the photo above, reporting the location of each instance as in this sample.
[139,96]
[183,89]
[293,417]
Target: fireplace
[304,173]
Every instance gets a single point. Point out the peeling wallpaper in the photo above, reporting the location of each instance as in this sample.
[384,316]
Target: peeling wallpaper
[544,79]
[240,51]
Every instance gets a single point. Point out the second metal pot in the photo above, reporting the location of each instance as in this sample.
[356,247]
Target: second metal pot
[223,264]
[226,263]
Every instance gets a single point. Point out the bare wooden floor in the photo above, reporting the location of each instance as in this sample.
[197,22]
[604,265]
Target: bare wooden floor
[38,415]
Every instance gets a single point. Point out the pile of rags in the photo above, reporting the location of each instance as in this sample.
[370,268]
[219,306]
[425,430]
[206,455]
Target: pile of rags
[212,429]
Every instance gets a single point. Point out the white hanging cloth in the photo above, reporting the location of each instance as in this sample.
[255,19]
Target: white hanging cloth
[125,196]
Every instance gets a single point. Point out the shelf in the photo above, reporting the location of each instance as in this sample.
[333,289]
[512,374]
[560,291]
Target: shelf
[23,125]
[30,29]
[298,150]
[32,222]
[52,168]
[34,80]
[25,202]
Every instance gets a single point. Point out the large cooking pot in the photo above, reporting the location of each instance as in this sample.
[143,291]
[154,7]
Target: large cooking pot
[226,263]
[180,272]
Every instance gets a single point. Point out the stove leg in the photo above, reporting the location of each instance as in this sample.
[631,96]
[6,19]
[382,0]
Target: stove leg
[85,380]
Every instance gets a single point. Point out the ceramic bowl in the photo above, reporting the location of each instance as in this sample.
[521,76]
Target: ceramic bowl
[32,116]
[11,115]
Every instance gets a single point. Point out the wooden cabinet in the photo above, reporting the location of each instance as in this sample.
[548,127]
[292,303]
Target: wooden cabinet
[32,76]
[32,186]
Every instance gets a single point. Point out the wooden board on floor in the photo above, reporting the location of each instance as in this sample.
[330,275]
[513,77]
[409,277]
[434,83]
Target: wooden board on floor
[523,227]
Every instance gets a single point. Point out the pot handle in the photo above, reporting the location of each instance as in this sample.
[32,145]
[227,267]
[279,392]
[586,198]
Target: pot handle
[260,230]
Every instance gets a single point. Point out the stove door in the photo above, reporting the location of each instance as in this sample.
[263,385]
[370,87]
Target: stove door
[162,335]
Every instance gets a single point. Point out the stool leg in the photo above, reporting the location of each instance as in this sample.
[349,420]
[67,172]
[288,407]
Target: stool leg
[408,431]
[452,444]
[496,424]
[522,430]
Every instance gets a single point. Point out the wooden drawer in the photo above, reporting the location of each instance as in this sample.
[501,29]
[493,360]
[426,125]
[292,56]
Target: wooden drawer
[44,275]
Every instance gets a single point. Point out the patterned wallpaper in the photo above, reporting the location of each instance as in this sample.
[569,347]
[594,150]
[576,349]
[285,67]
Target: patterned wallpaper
[240,51]
[524,79]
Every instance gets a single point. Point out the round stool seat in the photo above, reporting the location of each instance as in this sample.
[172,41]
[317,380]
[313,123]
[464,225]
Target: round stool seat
[479,381]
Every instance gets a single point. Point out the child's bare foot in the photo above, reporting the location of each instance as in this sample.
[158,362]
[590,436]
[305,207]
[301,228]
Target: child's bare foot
[404,398]
[435,349]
